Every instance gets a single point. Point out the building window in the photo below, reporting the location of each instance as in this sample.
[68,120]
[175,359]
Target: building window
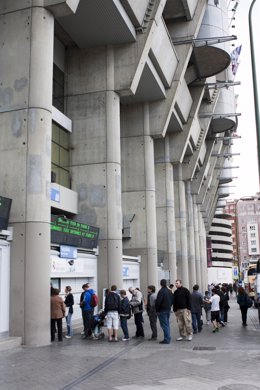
[253,250]
[58,88]
[60,158]
[253,242]
[252,227]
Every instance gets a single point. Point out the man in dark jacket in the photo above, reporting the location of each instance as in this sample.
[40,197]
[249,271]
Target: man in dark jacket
[163,305]
[182,310]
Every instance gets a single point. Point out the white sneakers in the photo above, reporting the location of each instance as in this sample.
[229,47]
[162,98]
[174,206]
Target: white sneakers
[189,338]
[67,337]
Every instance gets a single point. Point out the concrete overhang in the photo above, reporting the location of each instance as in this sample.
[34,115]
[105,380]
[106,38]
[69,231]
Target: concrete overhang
[150,87]
[206,61]
[61,8]
[179,9]
[99,22]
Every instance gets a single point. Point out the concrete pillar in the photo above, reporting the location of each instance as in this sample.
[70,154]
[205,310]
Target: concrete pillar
[25,164]
[94,108]
[150,202]
[197,242]
[191,236]
[138,189]
[181,225]
[170,212]
[202,252]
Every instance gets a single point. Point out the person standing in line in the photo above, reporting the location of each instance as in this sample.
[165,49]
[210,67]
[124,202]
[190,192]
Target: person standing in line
[196,309]
[58,310]
[125,314]
[182,310]
[88,311]
[137,307]
[69,302]
[215,310]
[163,306]
[151,311]
[242,298]
[112,310]
[207,306]
[81,304]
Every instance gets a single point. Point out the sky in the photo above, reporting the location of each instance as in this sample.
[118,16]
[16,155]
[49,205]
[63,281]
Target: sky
[247,182]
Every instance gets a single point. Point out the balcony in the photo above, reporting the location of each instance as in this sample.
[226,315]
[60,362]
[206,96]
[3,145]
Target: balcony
[98,22]
[179,9]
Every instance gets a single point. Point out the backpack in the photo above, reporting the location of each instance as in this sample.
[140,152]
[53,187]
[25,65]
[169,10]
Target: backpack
[112,302]
[93,300]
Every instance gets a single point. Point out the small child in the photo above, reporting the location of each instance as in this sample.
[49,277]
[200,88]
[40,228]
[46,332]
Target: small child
[207,306]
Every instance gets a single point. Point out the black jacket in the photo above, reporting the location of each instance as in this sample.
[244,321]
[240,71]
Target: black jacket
[69,302]
[181,299]
[164,300]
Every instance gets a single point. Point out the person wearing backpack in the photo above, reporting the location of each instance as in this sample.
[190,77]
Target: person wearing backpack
[125,314]
[88,311]
[112,310]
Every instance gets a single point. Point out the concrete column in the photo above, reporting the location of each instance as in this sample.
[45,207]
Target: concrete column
[150,202]
[181,225]
[202,252]
[191,236]
[197,242]
[25,161]
[170,213]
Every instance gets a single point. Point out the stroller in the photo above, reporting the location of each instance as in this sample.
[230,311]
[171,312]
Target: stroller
[97,324]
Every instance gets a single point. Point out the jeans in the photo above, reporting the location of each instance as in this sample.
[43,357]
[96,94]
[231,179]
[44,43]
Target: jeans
[88,319]
[153,322]
[244,314]
[196,322]
[123,321]
[164,319]
[69,324]
[139,325]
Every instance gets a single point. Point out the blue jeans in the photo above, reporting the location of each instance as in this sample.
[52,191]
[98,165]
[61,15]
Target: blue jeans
[164,319]
[196,322]
[123,321]
[69,325]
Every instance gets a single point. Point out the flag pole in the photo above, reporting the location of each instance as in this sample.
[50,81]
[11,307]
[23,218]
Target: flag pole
[256,101]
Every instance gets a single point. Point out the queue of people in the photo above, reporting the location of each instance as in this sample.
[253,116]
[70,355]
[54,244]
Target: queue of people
[120,306]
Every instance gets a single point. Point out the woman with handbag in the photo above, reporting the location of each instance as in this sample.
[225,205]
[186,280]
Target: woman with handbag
[244,304]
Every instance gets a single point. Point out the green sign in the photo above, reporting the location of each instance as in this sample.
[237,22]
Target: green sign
[69,232]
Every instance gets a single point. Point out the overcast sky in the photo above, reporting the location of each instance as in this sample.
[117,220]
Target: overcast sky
[248,181]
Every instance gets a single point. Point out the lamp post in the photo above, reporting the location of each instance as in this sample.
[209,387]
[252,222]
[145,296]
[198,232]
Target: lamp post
[256,102]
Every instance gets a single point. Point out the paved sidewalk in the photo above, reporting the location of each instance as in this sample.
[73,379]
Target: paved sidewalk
[228,360]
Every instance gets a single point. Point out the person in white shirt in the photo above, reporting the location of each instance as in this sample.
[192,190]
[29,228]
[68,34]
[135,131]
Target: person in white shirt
[215,317]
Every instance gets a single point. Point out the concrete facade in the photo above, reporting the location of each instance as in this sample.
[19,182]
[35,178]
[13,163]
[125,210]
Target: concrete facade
[141,88]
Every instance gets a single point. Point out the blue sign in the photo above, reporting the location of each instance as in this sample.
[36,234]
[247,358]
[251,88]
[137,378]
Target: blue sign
[68,252]
[55,195]
[125,271]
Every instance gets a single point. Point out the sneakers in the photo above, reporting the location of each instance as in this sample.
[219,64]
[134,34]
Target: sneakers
[215,330]
[180,339]
[189,338]
[67,337]
[125,339]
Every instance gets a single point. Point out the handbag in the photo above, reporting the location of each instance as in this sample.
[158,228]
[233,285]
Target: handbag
[249,302]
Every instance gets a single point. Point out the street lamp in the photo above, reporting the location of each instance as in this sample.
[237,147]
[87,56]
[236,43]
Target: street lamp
[257,121]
